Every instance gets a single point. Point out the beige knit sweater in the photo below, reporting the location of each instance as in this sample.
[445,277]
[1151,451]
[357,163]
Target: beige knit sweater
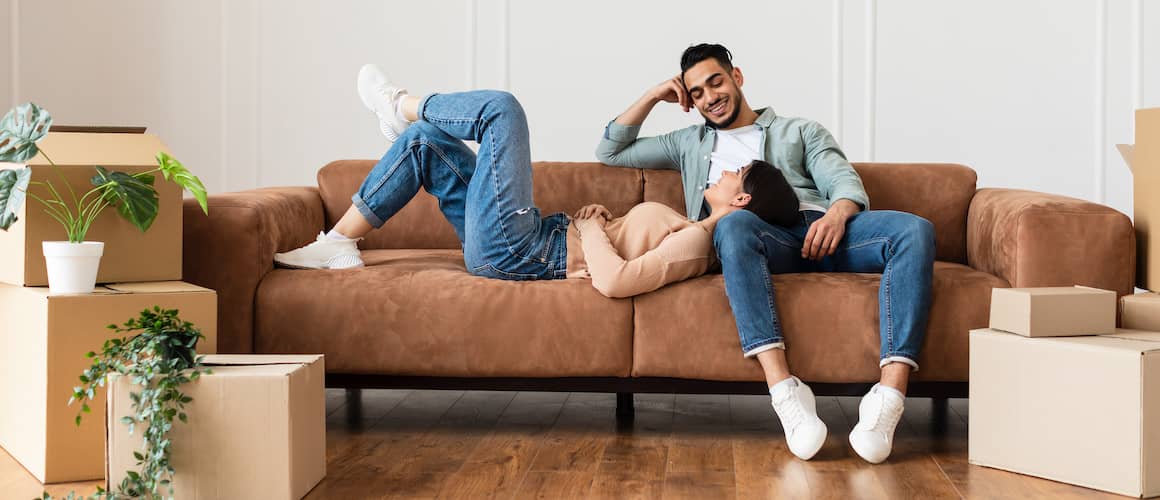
[649,247]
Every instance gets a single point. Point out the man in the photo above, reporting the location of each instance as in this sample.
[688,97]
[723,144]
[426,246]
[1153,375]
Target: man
[836,233]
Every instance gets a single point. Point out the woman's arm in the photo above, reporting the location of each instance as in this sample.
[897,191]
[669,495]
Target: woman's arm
[680,256]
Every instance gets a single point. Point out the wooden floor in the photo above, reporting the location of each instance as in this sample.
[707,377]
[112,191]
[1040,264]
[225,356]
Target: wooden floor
[475,444]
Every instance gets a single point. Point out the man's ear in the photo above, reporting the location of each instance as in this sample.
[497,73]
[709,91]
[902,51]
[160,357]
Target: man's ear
[741,200]
[738,77]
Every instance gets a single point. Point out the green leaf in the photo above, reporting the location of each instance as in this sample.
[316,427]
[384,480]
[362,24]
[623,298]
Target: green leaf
[20,130]
[134,197]
[13,185]
[174,171]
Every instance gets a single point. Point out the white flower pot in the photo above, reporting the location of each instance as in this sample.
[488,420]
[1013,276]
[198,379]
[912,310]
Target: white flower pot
[72,267]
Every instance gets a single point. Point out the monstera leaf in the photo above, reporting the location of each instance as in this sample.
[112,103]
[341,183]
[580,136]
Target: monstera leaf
[174,171]
[20,130]
[134,197]
[13,184]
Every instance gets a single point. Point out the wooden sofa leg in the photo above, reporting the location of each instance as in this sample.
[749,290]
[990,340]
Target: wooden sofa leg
[939,409]
[353,407]
[624,406]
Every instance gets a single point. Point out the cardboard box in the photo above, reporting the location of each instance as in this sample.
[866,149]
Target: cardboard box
[1082,410]
[1140,311]
[256,429]
[1144,160]
[43,341]
[1053,311]
[130,255]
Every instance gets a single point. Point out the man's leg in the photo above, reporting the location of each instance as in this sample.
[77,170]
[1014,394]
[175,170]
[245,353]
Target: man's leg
[901,247]
[750,251]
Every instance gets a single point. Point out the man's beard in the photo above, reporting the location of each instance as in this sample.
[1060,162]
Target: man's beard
[728,120]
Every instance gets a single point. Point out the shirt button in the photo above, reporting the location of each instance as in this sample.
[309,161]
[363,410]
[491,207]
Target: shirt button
[706,158]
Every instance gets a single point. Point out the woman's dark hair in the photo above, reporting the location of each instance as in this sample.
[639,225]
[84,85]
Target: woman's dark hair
[697,53]
[771,196]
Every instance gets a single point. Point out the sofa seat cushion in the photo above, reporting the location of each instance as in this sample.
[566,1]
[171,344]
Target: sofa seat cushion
[830,322]
[418,312]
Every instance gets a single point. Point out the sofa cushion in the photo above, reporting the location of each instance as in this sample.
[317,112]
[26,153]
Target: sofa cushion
[830,322]
[558,187]
[418,312]
[940,193]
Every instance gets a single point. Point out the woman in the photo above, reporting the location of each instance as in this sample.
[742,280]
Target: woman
[487,198]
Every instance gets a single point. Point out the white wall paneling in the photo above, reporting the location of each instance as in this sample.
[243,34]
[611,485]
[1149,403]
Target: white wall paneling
[7,50]
[262,92]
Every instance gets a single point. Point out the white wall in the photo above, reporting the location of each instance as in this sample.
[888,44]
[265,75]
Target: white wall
[1031,93]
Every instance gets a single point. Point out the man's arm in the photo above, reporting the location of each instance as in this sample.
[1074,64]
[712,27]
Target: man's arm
[620,145]
[837,180]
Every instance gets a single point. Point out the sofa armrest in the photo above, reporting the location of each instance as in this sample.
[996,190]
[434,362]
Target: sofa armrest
[232,248]
[1037,239]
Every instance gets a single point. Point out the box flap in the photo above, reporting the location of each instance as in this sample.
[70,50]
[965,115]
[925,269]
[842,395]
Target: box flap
[110,150]
[156,287]
[260,359]
[1127,151]
[1058,290]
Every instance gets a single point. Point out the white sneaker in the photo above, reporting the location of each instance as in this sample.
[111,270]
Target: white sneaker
[324,253]
[378,94]
[878,415]
[804,431]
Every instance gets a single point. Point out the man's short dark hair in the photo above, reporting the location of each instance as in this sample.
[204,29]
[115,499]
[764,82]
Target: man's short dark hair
[697,53]
[771,196]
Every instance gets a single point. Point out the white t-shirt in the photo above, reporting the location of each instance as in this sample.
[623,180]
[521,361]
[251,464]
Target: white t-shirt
[735,149]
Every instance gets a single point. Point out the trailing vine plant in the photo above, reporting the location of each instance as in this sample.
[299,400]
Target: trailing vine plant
[158,354]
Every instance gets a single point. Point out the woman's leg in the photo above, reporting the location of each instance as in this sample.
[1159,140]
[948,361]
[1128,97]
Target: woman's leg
[504,234]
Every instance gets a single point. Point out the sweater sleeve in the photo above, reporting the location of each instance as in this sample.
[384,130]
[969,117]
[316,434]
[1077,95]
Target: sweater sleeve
[680,256]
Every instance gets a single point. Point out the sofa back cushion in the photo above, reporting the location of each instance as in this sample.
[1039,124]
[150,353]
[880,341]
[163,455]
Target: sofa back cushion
[558,187]
[940,193]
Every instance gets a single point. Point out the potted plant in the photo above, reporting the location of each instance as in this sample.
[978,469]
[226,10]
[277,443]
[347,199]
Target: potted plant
[158,354]
[72,264]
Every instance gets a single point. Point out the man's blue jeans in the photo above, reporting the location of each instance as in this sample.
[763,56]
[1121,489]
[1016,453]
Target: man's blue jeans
[486,197]
[897,244]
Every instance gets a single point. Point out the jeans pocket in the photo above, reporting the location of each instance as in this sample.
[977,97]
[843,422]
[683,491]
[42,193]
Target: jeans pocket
[489,271]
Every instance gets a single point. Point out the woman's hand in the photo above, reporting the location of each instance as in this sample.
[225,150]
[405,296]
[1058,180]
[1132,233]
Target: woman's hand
[593,211]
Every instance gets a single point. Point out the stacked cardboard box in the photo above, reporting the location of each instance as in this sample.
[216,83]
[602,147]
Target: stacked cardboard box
[44,337]
[1058,392]
[257,429]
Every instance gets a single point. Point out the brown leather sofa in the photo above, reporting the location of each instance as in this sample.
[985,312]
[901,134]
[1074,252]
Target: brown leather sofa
[414,317]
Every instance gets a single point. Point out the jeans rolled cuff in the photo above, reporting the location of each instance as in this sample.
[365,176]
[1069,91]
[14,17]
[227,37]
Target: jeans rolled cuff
[423,105]
[762,348]
[899,359]
[368,214]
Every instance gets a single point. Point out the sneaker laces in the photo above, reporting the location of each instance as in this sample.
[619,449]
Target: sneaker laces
[887,417]
[790,409]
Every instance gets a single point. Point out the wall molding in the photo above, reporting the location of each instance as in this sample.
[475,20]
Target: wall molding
[14,50]
[838,74]
[1099,173]
[871,76]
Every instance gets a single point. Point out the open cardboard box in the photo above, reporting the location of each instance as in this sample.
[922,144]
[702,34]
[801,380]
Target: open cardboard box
[256,429]
[43,341]
[130,255]
[1144,160]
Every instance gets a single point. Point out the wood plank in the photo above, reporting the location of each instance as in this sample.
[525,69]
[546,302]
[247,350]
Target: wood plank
[501,460]
[763,465]
[908,472]
[555,485]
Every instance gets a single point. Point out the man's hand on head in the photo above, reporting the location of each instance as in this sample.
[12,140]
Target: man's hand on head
[672,90]
[826,233]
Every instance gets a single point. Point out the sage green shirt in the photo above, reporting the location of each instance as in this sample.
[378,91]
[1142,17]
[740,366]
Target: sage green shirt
[803,150]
